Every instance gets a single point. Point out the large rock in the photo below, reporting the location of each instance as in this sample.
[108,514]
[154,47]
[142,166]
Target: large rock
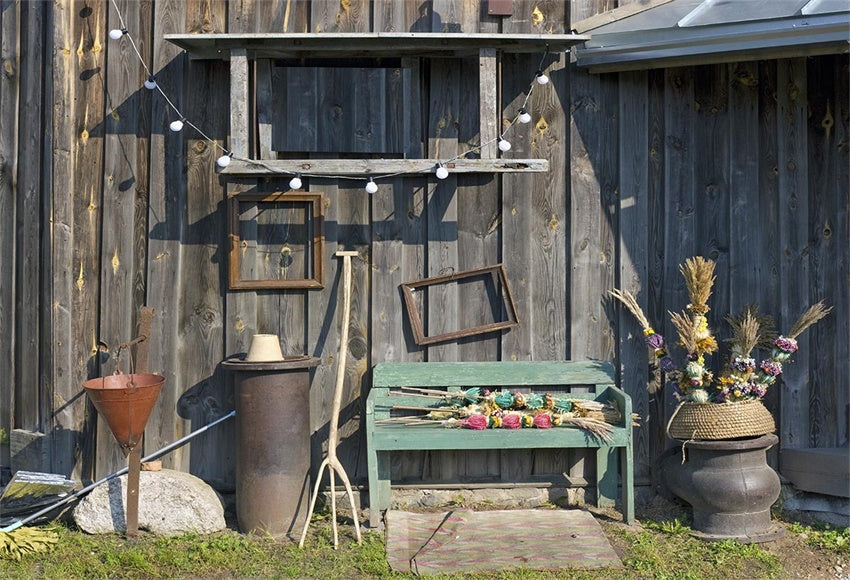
[170,503]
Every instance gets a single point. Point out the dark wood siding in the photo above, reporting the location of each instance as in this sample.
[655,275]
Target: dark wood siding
[104,210]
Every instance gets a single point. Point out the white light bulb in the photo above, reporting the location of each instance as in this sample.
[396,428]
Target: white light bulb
[542,79]
[295,183]
[442,172]
[504,145]
[150,83]
[371,187]
[116,33]
[176,126]
[224,160]
[524,117]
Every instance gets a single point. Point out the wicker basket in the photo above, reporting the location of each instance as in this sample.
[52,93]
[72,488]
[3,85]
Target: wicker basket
[720,420]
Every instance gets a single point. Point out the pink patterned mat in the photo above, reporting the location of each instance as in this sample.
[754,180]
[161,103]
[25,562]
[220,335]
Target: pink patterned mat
[466,541]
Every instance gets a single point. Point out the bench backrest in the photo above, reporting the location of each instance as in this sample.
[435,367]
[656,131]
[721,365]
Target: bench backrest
[495,373]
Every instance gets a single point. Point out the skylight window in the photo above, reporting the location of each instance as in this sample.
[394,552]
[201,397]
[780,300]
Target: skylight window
[726,11]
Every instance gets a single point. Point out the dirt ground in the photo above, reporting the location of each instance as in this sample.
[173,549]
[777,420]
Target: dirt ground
[798,559]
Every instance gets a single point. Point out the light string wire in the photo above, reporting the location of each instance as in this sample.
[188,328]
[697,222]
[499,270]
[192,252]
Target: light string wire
[259,162]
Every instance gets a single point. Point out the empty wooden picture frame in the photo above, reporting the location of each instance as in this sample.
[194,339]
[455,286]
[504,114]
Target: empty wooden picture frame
[495,284]
[277,241]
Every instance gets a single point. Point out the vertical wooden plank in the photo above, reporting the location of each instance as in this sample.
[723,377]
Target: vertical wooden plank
[241,320]
[487,102]
[117,267]
[680,218]
[336,16]
[517,217]
[591,268]
[841,236]
[517,212]
[205,395]
[322,325]
[26,228]
[266,111]
[393,16]
[590,265]
[474,17]
[302,132]
[656,264]
[9,102]
[743,152]
[413,143]
[792,158]
[283,16]
[711,182]
[633,255]
[354,214]
[479,243]
[335,113]
[549,237]
[167,226]
[62,290]
[83,215]
[273,16]
[442,214]
[768,196]
[397,256]
[827,201]
[446,16]
[369,109]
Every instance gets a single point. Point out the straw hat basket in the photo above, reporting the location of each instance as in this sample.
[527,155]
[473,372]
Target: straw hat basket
[720,420]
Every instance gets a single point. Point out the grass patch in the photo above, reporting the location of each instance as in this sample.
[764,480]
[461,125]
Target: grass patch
[663,550]
[824,537]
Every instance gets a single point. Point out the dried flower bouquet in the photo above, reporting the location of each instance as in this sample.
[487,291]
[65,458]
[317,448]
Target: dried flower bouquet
[741,378]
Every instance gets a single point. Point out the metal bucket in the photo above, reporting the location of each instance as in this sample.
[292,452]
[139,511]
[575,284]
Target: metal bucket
[125,401]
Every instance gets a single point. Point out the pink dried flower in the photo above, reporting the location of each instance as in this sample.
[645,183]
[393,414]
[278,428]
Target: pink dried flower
[477,422]
[542,421]
[511,421]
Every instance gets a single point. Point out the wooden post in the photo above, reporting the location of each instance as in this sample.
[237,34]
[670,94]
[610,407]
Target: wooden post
[331,462]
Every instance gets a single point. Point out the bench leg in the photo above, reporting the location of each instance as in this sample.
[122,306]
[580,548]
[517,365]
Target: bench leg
[379,485]
[628,485]
[606,476]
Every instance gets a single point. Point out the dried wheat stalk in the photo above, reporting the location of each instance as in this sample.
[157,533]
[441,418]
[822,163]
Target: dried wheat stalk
[808,318]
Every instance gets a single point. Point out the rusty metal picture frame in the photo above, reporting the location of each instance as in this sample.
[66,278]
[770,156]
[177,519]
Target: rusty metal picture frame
[509,308]
[313,205]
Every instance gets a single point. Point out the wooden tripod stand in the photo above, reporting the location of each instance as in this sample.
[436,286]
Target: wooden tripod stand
[331,462]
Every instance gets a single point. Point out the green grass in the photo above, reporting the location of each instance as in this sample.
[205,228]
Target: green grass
[663,550]
[824,537]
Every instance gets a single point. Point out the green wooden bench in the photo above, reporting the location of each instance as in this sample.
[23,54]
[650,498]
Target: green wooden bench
[612,457]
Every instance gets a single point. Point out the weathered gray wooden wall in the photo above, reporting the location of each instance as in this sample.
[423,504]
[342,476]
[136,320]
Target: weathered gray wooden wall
[103,210]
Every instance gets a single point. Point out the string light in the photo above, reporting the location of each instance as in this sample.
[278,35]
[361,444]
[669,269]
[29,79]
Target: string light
[224,160]
[371,187]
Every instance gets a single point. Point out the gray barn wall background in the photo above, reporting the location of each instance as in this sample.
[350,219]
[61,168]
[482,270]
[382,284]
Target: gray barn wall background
[104,210]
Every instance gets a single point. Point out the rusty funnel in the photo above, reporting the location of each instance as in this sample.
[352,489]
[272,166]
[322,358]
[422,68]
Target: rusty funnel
[125,401]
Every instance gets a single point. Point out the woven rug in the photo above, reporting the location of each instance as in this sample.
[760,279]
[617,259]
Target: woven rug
[466,541]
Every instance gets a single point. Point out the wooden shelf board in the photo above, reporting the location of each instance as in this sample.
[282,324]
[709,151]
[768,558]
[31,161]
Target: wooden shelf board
[371,44]
[367,167]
